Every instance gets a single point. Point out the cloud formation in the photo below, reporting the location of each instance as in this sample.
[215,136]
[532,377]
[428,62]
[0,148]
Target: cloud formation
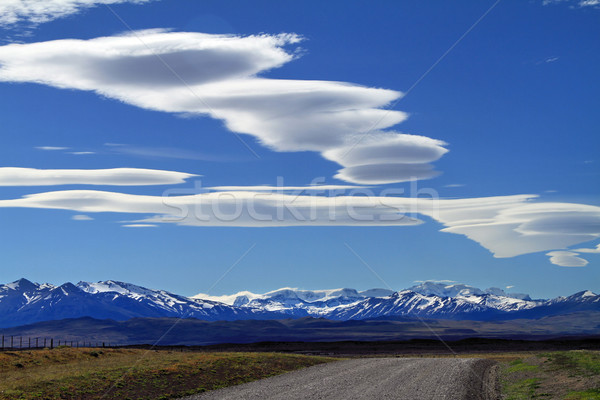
[571,258]
[10,176]
[566,259]
[218,76]
[507,226]
[51,148]
[580,3]
[591,251]
[38,11]
[81,217]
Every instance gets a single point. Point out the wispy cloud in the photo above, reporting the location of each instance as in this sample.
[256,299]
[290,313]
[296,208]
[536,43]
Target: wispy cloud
[573,3]
[268,188]
[166,152]
[51,148]
[218,76]
[82,153]
[507,226]
[81,217]
[595,250]
[566,259]
[455,185]
[38,11]
[10,176]
[139,226]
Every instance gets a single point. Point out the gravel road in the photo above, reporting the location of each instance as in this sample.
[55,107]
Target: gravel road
[374,378]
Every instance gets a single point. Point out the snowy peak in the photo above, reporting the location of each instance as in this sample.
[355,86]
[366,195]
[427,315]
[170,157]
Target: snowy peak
[452,289]
[290,296]
[23,302]
[20,285]
[377,292]
[586,296]
[311,296]
[114,287]
[445,289]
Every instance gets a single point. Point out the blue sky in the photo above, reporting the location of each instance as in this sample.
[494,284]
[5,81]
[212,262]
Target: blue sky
[510,110]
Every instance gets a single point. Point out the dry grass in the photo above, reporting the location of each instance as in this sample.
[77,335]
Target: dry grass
[553,375]
[68,373]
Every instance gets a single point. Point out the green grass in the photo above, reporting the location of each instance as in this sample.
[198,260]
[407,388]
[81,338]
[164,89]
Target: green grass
[521,390]
[520,366]
[592,394]
[569,375]
[133,374]
[580,361]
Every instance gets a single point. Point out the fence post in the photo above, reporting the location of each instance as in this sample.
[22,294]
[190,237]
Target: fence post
[36,342]
[20,342]
[30,342]
[2,348]
[11,342]
[51,343]
[44,342]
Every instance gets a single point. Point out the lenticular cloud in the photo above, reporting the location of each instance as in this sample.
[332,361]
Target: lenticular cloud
[11,176]
[507,226]
[219,76]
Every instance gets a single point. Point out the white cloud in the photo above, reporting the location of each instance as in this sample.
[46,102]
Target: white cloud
[234,208]
[139,226]
[38,11]
[566,259]
[509,286]
[81,217]
[507,226]
[217,76]
[82,153]
[508,231]
[51,148]
[580,3]
[267,188]
[591,251]
[10,176]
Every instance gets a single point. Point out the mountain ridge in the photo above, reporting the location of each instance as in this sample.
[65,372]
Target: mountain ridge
[24,302]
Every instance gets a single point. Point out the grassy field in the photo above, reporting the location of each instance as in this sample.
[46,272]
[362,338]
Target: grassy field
[565,375]
[67,373]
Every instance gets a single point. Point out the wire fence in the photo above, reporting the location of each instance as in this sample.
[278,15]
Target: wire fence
[26,342]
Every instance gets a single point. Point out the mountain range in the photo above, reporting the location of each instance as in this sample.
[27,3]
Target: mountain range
[23,302]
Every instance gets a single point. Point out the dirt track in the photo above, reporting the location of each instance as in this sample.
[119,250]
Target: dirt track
[374,378]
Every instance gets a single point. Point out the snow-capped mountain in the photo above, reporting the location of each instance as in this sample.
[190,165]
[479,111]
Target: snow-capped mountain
[428,299]
[451,289]
[435,300]
[23,302]
[299,303]
[408,303]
